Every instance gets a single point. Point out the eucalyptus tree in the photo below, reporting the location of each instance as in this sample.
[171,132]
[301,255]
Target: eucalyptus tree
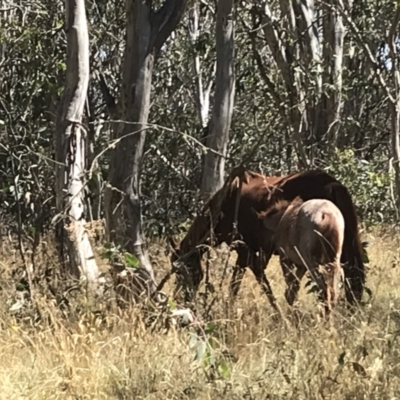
[71,146]
[219,125]
[147,29]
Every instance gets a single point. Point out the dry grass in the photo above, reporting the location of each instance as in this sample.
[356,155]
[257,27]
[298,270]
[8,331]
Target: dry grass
[73,354]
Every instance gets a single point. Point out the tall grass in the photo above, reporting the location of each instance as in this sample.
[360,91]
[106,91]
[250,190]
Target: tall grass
[240,352]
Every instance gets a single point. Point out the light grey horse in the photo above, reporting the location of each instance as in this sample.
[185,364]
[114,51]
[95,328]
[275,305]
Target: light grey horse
[308,236]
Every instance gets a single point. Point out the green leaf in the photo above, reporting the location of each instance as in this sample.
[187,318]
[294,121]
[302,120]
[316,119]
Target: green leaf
[210,328]
[223,369]
[20,287]
[132,261]
[32,230]
[106,255]
[171,304]
[62,66]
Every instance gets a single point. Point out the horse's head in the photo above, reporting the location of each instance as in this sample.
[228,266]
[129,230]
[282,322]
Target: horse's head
[187,269]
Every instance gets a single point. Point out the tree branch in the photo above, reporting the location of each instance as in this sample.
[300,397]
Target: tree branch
[278,49]
[164,22]
[252,34]
[340,8]
[108,97]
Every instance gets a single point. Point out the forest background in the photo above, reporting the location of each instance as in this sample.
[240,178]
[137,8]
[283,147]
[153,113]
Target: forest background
[278,85]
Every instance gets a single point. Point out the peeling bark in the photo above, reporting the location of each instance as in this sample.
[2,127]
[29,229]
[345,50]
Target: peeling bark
[394,102]
[71,146]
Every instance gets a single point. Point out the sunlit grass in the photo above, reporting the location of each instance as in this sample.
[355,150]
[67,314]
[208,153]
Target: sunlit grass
[120,355]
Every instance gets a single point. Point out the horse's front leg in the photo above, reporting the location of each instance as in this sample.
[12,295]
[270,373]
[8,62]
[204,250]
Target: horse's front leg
[243,260]
[236,280]
[188,278]
[258,265]
[293,275]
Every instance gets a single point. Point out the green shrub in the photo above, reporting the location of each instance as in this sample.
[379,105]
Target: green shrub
[370,185]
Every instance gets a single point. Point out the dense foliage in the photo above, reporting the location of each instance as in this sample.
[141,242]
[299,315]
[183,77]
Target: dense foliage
[32,69]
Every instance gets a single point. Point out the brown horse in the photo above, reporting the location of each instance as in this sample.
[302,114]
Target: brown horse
[231,211]
[308,236]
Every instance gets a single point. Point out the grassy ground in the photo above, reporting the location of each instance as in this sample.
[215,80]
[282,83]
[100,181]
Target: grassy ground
[240,353]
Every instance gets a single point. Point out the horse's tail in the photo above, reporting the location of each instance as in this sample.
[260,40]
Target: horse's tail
[353,251]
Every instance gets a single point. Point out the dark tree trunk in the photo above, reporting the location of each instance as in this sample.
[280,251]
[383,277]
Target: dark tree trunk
[146,32]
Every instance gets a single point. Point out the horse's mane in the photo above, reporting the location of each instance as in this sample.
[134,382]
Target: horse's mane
[278,204]
[203,224]
[247,177]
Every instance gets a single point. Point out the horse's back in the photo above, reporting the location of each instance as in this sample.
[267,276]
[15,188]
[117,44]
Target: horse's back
[321,212]
[322,225]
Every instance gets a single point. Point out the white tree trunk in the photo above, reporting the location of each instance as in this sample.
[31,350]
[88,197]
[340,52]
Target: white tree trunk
[296,110]
[70,145]
[394,102]
[214,161]
[334,33]
[202,95]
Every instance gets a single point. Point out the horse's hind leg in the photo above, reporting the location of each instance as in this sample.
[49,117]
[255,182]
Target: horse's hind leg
[322,287]
[332,273]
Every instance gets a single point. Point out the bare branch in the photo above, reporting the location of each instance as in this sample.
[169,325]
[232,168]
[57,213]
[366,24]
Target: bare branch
[343,12]
[108,97]
[165,21]
[278,49]
[253,34]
